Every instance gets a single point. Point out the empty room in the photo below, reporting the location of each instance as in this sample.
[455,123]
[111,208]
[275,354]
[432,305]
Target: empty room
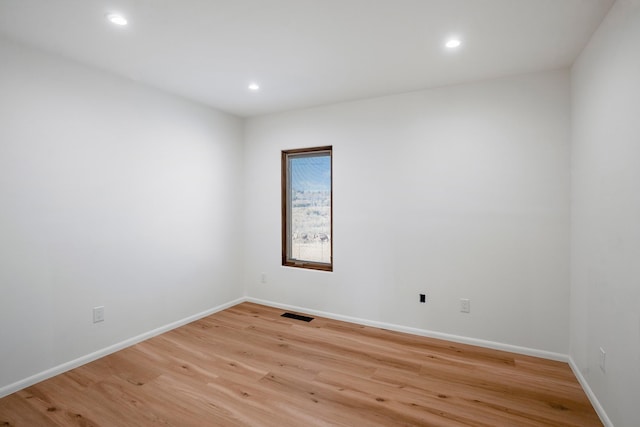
[320,212]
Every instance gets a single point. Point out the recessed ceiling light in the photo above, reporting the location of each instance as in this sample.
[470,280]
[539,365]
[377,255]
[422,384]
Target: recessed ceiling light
[117,19]
[453,43]
[254,87]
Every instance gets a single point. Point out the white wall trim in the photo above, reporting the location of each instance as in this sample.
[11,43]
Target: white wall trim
[421,332]
[590,394]
[67,366]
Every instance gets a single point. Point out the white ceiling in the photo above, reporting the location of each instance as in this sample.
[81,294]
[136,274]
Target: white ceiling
[306,52]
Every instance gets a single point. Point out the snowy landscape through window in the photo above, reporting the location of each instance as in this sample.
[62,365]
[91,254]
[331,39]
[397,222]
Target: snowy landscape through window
[307,208]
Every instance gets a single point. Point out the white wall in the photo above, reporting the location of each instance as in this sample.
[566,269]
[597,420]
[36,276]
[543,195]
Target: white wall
[110,194]
[459,192]
[605,286]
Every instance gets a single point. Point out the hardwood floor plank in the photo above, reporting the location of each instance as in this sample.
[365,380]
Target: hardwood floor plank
[247,366]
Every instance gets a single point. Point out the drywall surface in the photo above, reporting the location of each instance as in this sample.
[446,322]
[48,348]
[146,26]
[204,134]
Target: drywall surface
[605,239]
[459,192]
[111,194]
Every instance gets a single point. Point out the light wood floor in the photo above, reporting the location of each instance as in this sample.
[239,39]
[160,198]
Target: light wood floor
[249,366]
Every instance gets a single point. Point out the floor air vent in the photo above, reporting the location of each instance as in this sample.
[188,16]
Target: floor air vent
[297,317]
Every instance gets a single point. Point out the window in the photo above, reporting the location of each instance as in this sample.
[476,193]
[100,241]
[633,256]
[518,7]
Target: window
[307,214]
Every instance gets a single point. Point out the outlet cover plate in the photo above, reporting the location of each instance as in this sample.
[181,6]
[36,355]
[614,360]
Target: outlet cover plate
[465,305]
[98,314]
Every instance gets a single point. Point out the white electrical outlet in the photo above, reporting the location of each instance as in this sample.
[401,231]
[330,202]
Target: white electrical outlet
[603,358]
[263,278]
[465,305]
[98,314]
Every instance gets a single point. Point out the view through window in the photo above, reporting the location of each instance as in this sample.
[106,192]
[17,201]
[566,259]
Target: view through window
[307,208]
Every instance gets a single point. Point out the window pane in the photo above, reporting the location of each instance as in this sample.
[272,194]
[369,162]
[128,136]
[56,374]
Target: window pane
[307,222]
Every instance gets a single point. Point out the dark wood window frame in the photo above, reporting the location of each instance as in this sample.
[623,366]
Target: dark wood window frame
[287,259]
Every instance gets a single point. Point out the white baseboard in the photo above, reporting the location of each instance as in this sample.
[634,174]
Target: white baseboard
[56,370]
[590,394]
[421,332]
